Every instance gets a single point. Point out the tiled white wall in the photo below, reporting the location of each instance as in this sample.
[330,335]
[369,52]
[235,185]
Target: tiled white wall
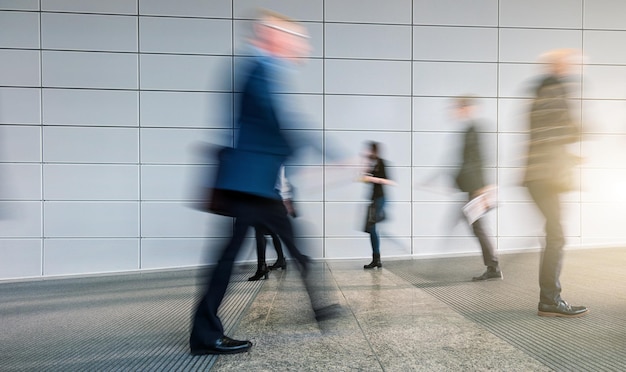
[106,106]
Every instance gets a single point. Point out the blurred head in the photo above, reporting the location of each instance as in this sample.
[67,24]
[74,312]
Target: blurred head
[464,107]
[372,150]
[560,62]
[282,37]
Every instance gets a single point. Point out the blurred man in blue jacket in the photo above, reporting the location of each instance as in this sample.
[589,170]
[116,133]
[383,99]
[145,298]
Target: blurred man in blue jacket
[247,175]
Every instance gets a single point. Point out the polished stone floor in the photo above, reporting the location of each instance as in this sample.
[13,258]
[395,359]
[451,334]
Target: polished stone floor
[411,315]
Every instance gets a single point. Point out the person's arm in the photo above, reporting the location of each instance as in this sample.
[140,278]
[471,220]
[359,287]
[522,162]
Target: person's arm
[380,177]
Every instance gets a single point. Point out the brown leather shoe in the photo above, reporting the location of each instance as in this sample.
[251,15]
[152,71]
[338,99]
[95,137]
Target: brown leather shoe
[489,275]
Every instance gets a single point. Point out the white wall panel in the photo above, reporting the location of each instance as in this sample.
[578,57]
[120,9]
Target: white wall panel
[185,35]
[186,109]
[91,219]
[90,6]
[470,44]
[24,28]
[435,184]
[436,114]
[605,82]
[184,72]
[20,258]
[344,219]
[604,151]
[539,13]
[510,186]
[179,146]
[90,145]
[186,8]
[304,10]
[443,220]
[21,219]
[604,116]
[367,41]
[526,45]
[516,244]
[20,143]
[368,113]
[174,182]
[605,46]
[20,182]
[453,12]
[367,77]
[20,68]
[518,80]
[524,219]
[90,107]
[171,253]
[512,149]
[20,105]
[395,147]
[177,220]
[605,14]
[603,220]
[436,149]
[19,5]
[90,182]
[360,247]
[89,70]
[89,32]
[603,185]
[369,11]
[513,115]
[455,78]
[82,256]
[424,247]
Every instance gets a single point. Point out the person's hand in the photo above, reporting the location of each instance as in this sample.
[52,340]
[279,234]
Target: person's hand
[289,206]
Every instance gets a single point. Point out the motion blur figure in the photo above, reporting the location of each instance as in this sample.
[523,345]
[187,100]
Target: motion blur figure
[471,180]
[549,173]
[247,175]
[375,174]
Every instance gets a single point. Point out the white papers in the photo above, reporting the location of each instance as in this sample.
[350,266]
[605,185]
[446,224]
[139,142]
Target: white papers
[477,207]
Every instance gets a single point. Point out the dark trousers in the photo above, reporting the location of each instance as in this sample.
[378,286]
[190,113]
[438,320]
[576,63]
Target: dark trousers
[261,243]
[248,211]
[490,257]
[548,202]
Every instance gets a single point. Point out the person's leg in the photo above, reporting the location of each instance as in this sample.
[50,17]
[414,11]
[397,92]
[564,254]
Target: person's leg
[280,260]
[552,258]
[207,327]
[378,215]
[490,258]
[261,242]
[311,273]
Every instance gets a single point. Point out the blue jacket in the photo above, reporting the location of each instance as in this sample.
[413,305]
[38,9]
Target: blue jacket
[252,167]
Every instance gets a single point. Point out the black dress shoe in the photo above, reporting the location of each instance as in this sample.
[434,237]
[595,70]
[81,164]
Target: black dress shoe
[224,345]
[561,309]
[261,272]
